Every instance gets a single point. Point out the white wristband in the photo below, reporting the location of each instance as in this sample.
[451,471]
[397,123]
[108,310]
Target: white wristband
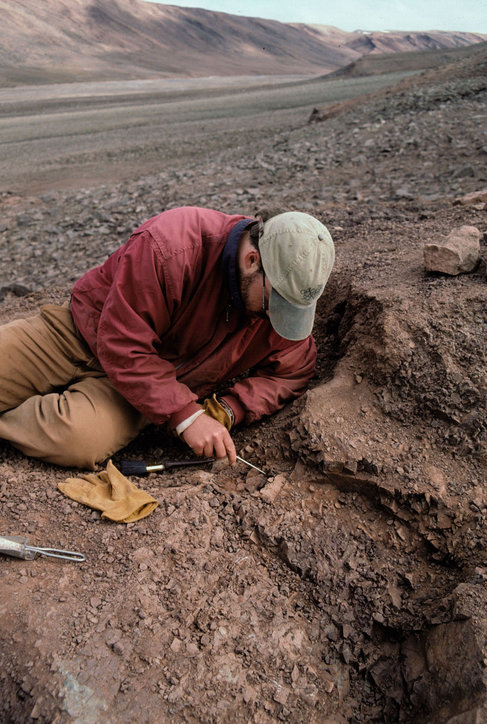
[189,421]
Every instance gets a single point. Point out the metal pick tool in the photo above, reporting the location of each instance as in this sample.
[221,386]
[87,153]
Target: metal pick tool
[251,466]
[17,547]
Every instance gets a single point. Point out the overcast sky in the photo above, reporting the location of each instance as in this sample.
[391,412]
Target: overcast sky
[464,15]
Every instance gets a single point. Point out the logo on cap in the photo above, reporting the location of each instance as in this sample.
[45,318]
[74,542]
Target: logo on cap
[311,293]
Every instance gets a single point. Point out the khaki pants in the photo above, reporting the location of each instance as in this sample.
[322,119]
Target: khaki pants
[56,403]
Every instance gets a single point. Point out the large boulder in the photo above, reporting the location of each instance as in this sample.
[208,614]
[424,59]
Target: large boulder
[459,253]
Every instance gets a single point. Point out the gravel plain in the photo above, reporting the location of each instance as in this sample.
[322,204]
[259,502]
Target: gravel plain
[95,133]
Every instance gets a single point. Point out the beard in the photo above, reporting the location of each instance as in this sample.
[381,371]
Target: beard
[245,284]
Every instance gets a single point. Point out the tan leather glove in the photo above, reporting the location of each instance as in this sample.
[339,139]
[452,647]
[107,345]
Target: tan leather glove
[218,411]
[112,493]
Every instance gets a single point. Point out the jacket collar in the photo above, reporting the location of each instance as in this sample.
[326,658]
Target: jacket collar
[230,262]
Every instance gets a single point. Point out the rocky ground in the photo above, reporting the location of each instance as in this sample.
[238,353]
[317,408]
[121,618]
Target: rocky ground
[349,583]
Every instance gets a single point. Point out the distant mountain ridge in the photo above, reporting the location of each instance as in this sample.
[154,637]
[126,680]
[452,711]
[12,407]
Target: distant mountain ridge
[68,40]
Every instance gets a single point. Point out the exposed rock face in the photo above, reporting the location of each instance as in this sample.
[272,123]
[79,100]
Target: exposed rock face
[459,253]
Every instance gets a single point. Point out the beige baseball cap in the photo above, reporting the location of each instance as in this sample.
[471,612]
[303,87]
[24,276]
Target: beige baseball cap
[297,254]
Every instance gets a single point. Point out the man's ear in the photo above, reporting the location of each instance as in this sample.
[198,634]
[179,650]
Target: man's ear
[251,260]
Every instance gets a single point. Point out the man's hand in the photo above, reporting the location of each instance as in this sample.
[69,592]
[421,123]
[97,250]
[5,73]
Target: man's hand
[206,436]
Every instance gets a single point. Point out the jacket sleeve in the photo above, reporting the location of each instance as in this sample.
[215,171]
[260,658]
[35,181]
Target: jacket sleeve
[136,314]
[281,377]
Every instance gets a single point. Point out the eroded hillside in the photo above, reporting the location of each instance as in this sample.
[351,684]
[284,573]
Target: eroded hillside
[66,41]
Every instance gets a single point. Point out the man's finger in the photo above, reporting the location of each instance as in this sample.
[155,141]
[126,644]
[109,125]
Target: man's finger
[230,451]
[219,449]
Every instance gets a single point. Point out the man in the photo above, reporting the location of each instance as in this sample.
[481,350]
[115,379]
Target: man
[194,299]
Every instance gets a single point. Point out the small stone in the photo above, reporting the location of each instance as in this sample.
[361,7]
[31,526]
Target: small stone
[248,695]
[444,521]
[122,647]
[220,464]
[350,466]
[112,636]
[192,649]
[309,694]
[281,695]
[328,684]
[271,491]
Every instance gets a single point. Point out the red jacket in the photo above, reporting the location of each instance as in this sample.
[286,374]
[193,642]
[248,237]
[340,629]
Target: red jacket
[157,316]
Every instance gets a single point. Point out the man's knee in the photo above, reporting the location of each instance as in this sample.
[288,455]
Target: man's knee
[77,428]
[73,446]
[60,442]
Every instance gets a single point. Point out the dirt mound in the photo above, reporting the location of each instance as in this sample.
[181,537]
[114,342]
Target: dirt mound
[427,363]
[349,583]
